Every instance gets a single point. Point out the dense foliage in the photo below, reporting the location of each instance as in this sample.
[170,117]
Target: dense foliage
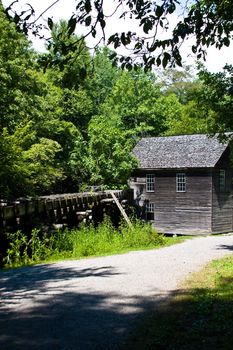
[75,123]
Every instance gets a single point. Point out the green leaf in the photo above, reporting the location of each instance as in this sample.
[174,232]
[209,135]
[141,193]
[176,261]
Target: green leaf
[194,49]
[111,39]
[158,61]
[159,11]
[166,59]
[112,55]
[93,32]
[71,25]
[147,26]
[88,6]
[129,66]
[125,39]
[226,41]
[88,21]
[27,17]
[171,8]
[50,23]
[16,19]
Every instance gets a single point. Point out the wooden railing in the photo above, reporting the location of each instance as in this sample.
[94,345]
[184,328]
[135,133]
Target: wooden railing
[57,208]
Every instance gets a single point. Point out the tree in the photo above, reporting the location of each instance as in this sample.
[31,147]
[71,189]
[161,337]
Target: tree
[28,164]
[133,98]
[181,82]
[102,78]
[217,98]
[17,81]
[36,140]
[109,159]
[69,71]
[208,106]
[192,119]
[77,107]
[25,92]
[13,173]
[43,169]
[71,65]
[210,22]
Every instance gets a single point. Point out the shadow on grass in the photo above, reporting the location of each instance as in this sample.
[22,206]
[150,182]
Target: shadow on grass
[38,312]
[194,319]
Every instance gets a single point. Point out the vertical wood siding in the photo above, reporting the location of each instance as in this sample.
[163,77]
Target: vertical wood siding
[222,200]
[186,212]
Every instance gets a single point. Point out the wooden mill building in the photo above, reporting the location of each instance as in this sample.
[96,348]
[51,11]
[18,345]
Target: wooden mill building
[184,183]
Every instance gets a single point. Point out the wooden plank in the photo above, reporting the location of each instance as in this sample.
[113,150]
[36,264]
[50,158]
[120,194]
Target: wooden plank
[121,208]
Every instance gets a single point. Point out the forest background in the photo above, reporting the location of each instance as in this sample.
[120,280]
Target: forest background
[74,124]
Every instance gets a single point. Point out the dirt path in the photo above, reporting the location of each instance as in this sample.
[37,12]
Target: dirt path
[94,303]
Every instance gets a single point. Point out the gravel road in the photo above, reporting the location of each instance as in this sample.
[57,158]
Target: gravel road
[95,303]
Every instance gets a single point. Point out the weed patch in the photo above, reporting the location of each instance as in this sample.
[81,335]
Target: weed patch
[86,241]
[104,239]
[36,248]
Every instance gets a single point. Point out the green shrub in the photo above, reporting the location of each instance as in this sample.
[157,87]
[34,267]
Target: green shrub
[24,250]
[90,240]
[141,235]
[85,241]
[103,239]
[16,254]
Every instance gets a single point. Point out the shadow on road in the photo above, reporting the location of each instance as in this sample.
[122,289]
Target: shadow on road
[199,317]
[225,246]
[62,319]
[37,277]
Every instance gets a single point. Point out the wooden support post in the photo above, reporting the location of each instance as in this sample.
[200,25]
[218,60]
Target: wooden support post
[121,208]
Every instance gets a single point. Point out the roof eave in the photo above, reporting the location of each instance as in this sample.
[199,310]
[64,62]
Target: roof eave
[177,168]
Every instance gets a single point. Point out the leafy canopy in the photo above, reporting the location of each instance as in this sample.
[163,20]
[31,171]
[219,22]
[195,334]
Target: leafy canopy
[210,22]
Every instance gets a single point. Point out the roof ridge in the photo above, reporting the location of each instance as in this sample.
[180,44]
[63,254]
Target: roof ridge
[209,136]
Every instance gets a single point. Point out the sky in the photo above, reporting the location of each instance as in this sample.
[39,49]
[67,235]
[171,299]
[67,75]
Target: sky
[63,9]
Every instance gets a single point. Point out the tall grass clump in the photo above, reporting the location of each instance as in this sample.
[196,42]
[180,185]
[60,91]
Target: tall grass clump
[140,235]
[86,241]
[89,240]
[38,247]
[105,238]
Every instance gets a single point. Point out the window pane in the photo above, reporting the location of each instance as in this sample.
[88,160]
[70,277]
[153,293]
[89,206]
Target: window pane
[180,182]
[149,207]
[150,183]
[150,211]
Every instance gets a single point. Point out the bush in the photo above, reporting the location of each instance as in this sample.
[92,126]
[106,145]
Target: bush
[24,250]
[85,241]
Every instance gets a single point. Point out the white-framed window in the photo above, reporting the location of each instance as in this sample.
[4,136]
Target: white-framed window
[180,182]
[150,183]
[222,180]
[150,208]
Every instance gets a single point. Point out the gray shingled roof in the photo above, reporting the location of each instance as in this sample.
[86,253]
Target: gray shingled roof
[185,151]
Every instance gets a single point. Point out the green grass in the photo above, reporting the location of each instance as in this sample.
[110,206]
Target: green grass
[87,241]
[199,316]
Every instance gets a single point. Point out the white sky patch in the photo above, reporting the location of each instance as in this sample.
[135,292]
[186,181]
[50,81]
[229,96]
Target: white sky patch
[215,61]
